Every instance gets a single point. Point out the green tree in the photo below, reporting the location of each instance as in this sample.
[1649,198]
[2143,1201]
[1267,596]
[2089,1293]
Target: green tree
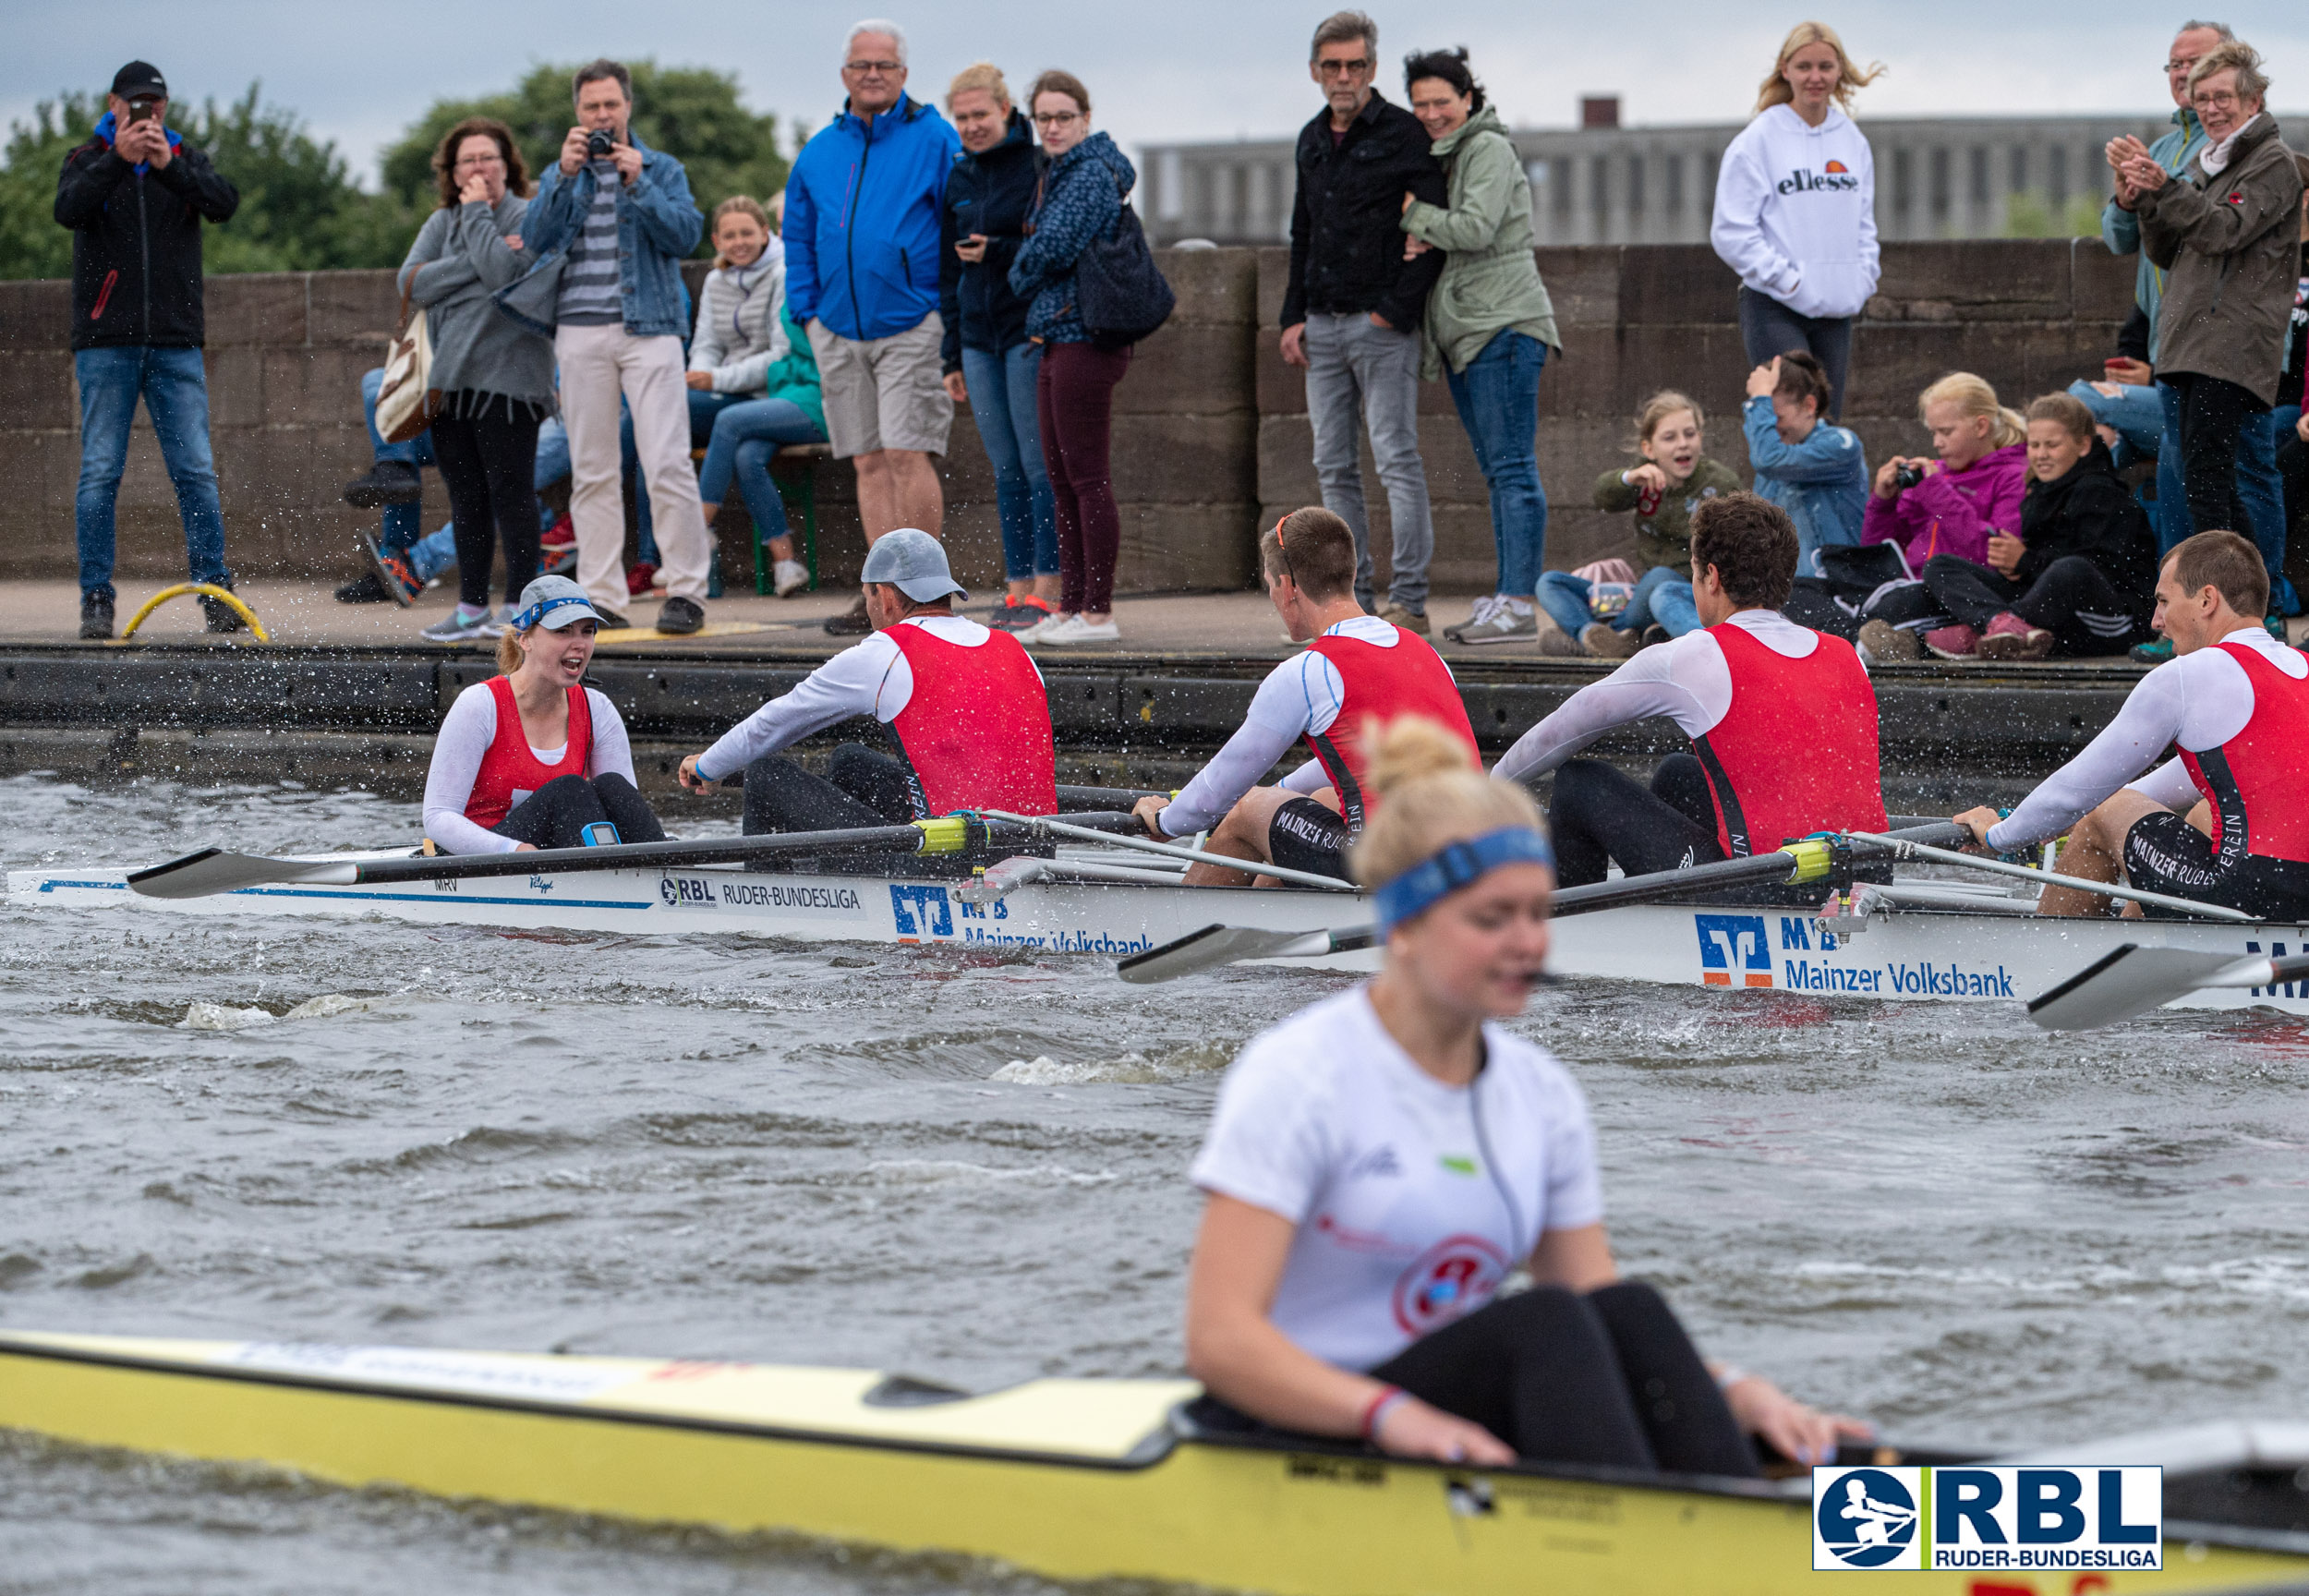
[2032,216]
[31,244]
[691,113]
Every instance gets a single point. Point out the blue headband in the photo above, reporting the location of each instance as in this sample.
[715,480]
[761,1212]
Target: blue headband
[544,607]
[1461,864]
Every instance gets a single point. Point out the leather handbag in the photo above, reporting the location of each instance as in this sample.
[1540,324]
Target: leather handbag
[407,403]
[1120,293]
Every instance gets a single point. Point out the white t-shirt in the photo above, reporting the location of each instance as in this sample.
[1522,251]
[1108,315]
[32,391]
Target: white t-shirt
[1404,1222]
[464,742]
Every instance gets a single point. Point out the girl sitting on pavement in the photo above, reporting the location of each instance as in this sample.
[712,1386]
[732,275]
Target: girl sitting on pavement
[1662,489]
[1814,470]
[2079,579]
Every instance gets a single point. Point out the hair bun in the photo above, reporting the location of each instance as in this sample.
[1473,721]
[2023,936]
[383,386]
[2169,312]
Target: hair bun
[1410,748]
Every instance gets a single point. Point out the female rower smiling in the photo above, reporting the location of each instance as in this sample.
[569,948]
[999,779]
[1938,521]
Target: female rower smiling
[532,758]
[1379,1163]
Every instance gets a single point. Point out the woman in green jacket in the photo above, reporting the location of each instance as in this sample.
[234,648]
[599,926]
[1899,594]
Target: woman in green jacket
[1488,327]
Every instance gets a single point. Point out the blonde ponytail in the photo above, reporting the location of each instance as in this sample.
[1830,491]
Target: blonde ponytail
[1428,794]
[1972,396]
[508,652]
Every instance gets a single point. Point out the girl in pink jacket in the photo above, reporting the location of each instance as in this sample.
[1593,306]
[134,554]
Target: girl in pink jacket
[1950,505]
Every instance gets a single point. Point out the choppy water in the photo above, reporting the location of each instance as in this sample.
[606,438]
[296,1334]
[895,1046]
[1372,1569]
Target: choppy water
[972,1168]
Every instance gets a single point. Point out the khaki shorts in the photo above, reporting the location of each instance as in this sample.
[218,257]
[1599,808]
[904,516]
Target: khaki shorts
[884,393]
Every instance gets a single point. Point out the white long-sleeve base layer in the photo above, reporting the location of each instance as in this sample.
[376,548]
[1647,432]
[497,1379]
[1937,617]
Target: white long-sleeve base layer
[2197,701]
[870,678]
[1687,680]
[1300,698]
[466,734]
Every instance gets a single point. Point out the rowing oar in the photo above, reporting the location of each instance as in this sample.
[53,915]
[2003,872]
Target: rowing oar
[1912,845]
[212,870]
[2134,979]
[1115,837]
[1808,860]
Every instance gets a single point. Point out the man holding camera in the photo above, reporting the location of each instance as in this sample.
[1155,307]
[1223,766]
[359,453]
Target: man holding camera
[620,216]
[135,196]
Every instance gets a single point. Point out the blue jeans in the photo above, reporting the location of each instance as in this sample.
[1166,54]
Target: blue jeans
[402,522]
[2258,486]
[1662,596]
[2137,414]
[1002,402]
[1498,400]
[741,433]
[176,393]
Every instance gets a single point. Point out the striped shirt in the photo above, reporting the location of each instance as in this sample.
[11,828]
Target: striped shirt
[590,296]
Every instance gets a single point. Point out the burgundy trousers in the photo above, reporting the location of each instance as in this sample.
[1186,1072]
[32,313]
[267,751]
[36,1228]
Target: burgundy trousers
[1074,402]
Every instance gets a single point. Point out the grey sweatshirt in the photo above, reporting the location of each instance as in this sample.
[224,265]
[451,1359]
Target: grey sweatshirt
[461,257]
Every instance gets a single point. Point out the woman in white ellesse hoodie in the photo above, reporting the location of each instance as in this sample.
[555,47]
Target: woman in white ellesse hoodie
[1796,208]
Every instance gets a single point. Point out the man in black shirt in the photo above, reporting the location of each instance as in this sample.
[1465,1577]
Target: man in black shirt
[135,196]
[1351,311]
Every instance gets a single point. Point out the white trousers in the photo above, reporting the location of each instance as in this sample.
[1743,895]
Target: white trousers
[597,365]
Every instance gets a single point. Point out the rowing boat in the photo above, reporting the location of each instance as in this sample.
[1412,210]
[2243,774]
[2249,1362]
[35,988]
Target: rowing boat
[1914,940]
[1073,1479]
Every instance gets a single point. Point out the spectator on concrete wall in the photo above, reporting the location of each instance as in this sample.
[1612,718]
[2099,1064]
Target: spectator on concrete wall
[862,275]
[1489,325]
[2079,575]
[614,219]
[1671,478]
[1353,304]
[1084,195]
[740,345]
[1810,467]
[495,376]
[1796,208]
[989,361]
[2226,232]
[135,196]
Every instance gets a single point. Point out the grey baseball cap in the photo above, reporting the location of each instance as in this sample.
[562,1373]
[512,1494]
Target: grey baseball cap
[914,563]
[555,602]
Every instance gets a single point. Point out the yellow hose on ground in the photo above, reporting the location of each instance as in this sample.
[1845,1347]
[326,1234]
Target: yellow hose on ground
[207,590]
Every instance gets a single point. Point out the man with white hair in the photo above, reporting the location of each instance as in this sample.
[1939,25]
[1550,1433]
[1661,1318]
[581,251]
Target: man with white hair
[862,279]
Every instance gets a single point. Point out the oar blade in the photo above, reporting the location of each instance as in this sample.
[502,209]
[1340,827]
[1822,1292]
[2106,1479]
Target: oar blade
[212,870]
[1216,945]
[2130,981]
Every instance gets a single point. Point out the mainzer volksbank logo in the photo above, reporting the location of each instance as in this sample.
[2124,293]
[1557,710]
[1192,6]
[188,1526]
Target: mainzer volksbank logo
[1804,180]
[2049,1518]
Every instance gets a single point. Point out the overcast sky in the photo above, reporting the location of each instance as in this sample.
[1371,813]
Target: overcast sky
[360,73]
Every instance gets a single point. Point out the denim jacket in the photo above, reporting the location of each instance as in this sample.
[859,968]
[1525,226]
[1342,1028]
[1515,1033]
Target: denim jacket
[658,223]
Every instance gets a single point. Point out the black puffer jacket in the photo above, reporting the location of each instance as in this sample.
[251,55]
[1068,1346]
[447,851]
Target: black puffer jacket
[992,194]
[135,244]
[1346,238]
[2089,512]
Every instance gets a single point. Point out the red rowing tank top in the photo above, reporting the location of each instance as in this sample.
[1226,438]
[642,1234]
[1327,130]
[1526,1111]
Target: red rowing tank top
[509,771]
[976,732]
[1381,684]
[1795,753]
[2258,780]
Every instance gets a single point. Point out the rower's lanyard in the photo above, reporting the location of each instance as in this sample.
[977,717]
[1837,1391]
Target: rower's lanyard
[1491,1164]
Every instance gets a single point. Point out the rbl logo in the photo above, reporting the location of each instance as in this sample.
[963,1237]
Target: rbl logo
[2077,1520]
[1733,949]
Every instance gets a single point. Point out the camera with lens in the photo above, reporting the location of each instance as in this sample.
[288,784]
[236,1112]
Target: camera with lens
[599,145]
[1908,476]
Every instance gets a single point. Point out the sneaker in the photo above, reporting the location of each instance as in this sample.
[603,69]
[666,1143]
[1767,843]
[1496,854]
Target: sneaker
[560,562]
[2156,651]
[2275,625]
[1494,621]
[463,625]
[368,588]
[400,583]
[1021,614]
[222,617]
[1655,634]
[1609,643]
[96,617]
[681,617]
[851,622]
[788,578]
[641,579]
[1954,642]
[612,621]
[1074,630]
[563,534]
[1409,620]
[388,482]
[2010,637]
[1889,645]
[1558,644]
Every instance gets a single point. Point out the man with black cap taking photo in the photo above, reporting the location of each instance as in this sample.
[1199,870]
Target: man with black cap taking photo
[135,196]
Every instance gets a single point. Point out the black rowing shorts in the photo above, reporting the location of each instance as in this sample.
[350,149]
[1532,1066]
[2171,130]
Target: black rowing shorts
[1305,835]
[2164,853]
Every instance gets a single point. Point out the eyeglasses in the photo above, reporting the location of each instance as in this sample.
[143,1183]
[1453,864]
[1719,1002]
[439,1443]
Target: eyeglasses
[489,159]
[1354,68]
[1055,118]
[2179,65]
[872,69]
[2222,101]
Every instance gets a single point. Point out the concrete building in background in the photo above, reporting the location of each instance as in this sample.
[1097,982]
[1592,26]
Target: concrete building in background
[1601,183]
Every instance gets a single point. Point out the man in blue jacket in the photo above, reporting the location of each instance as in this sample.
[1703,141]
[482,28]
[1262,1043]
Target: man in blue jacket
[619,216]
[862,279]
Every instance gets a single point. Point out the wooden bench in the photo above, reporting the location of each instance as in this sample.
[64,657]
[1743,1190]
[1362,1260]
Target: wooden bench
[797,486]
